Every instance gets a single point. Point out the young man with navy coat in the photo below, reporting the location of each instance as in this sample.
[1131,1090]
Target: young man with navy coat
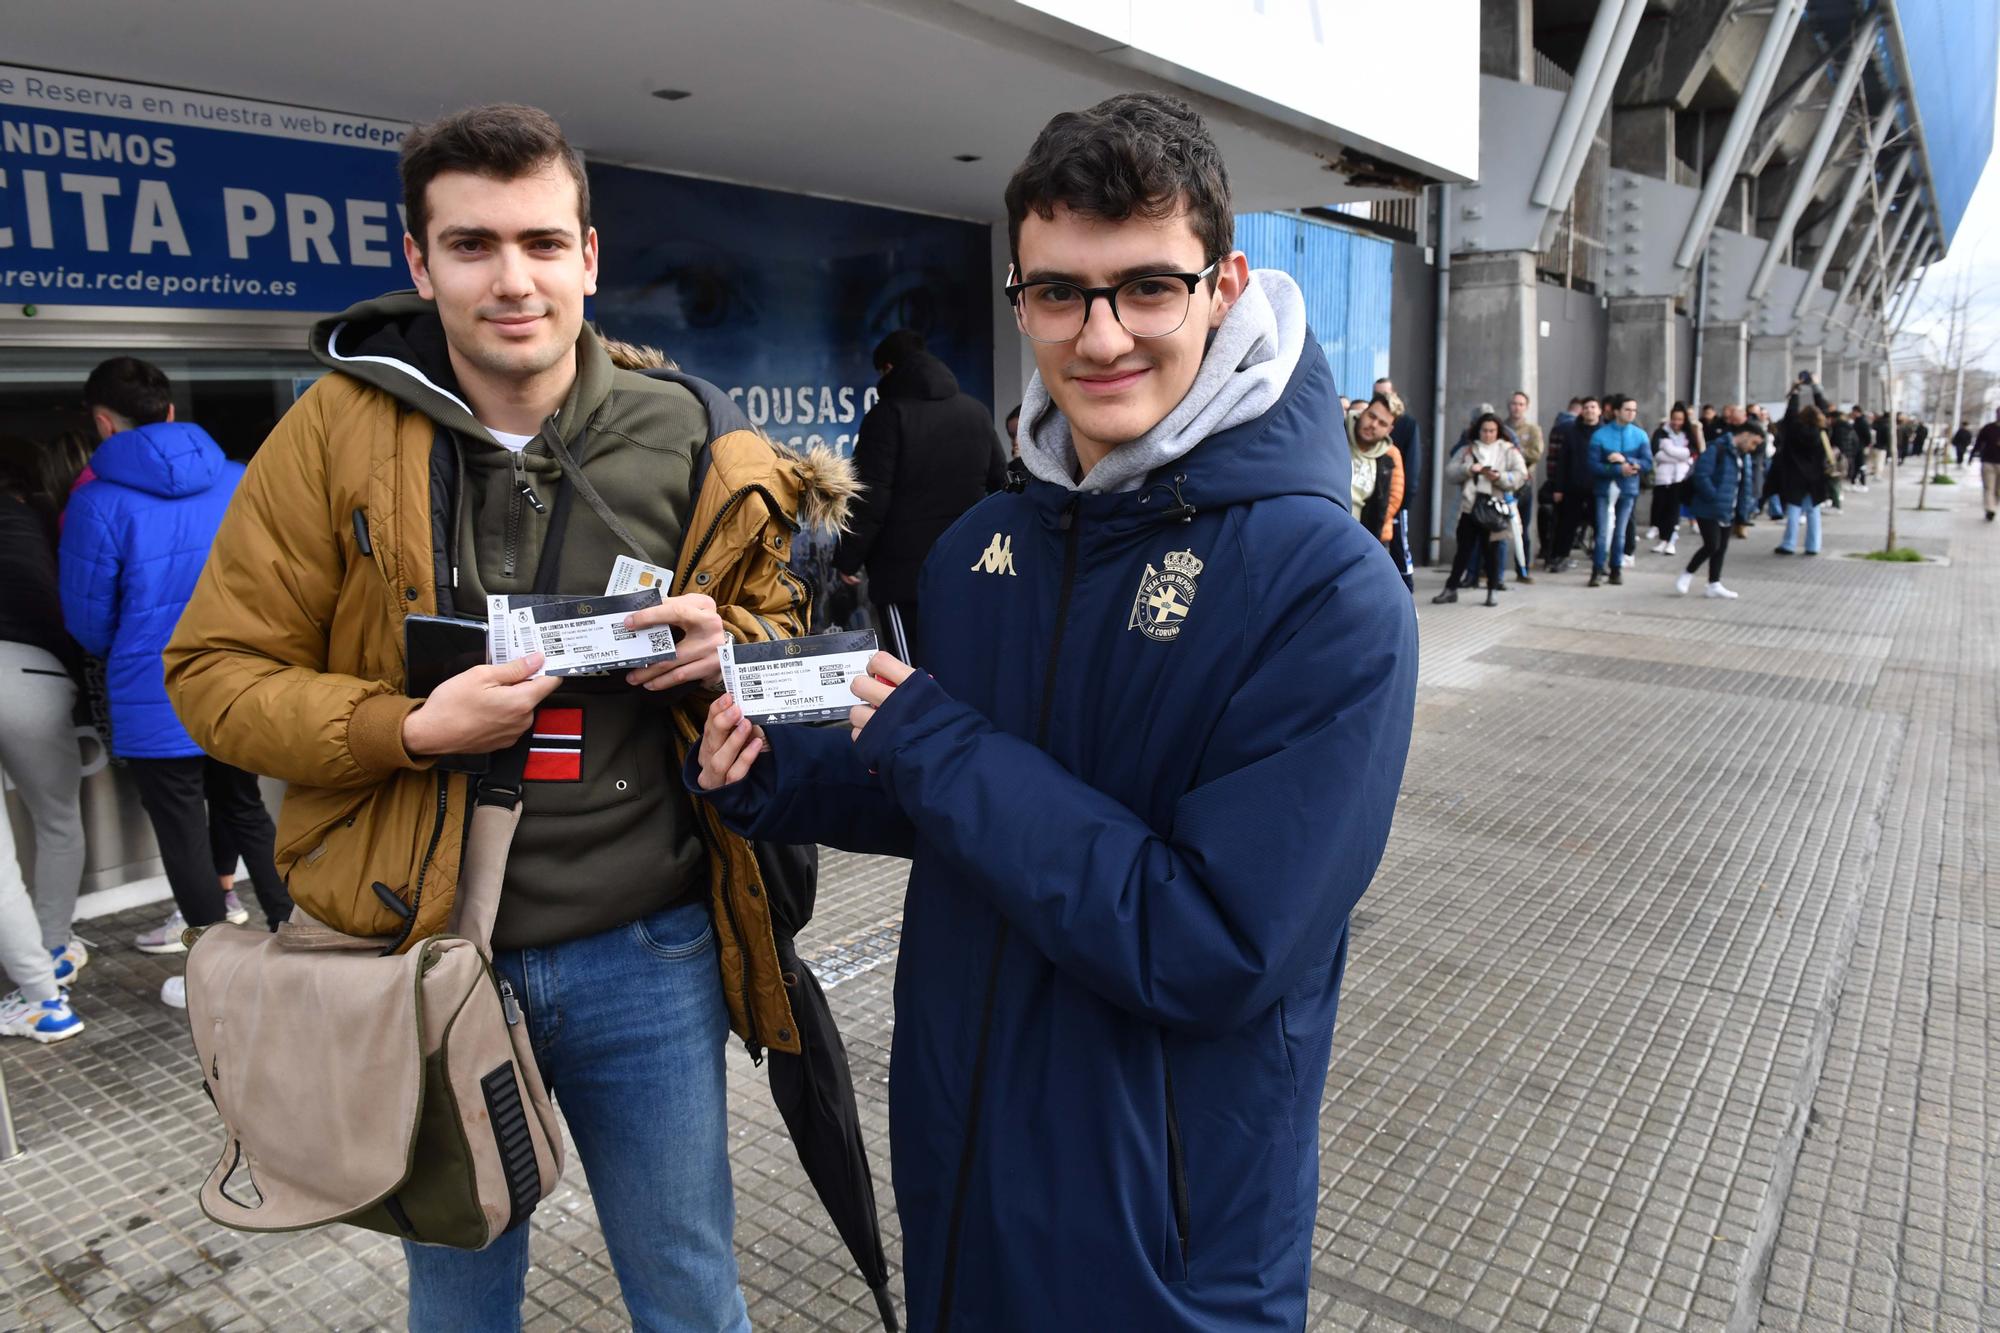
[1145,770]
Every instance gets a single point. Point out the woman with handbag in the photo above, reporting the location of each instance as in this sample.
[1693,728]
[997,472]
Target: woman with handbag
[1488,472]
[1675,445]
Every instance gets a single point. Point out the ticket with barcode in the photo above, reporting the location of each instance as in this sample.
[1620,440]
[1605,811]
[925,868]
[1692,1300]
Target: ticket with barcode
[587,635]
[797,680]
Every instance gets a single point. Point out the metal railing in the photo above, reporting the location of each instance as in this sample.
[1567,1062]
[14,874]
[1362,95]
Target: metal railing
[1548,74]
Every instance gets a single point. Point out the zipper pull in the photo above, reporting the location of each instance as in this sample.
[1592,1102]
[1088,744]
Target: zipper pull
[1068,516]
[522,484]
[510,1008]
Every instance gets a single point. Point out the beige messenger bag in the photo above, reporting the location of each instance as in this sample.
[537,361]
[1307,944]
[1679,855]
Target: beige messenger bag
[393,1092]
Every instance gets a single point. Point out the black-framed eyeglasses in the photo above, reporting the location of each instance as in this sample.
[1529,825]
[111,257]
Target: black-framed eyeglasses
[1151,305]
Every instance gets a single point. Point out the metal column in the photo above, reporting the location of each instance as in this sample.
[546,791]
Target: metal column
[1596,66]
[1593,112]
[1814,161]
[1837,230]
[1756,90]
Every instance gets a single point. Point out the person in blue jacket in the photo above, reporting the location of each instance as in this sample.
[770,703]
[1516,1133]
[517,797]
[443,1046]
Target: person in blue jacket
[134,542]
[1145,771]
[1713,484]
[1619,452]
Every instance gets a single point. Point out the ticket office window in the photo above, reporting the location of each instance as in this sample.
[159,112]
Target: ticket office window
[236,396]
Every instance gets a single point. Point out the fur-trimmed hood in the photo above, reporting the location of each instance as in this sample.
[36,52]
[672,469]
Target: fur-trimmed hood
[828,487]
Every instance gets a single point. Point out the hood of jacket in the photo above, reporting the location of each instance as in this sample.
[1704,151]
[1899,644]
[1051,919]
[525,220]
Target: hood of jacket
[919,375]
[396,343]
[1249,364]
[170,459]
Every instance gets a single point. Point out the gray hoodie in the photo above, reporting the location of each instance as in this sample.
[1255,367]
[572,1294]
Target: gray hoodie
[1249,361]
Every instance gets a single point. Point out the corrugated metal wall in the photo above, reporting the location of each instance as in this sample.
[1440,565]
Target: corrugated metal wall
[1347,280]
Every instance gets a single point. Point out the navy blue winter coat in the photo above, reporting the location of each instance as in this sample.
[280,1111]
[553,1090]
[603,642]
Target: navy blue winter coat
[133,545]
[1714,479]
[1147,769]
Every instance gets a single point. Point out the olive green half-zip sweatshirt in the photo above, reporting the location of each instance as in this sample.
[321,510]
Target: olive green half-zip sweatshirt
[610,837]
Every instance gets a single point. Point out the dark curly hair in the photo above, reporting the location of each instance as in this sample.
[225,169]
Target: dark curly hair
[1136,153]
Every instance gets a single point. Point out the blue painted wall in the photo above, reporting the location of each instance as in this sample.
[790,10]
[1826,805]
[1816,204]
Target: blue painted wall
[1346,278]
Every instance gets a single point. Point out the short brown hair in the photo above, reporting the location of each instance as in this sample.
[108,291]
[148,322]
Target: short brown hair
[1143,153]
[503,141]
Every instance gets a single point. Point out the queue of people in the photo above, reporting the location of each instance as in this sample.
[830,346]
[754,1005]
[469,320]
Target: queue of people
[1717,471]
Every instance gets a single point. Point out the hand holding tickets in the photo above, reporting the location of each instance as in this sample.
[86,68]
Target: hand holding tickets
[732,740]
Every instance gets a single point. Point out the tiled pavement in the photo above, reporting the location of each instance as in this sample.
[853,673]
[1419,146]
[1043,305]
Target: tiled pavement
[1672,1007]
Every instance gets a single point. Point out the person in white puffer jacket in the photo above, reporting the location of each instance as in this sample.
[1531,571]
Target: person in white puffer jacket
[1675,447]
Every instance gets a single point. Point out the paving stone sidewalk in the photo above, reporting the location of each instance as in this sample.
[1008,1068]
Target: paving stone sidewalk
[1671,1008]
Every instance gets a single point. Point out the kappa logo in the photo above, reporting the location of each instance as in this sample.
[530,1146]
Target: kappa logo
[1165,596]
[997,558]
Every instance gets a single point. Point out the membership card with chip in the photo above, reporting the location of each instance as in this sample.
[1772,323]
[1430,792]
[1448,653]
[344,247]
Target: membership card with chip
[797,680]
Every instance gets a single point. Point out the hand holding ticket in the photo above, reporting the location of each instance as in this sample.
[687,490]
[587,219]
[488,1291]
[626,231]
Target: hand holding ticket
[797,680]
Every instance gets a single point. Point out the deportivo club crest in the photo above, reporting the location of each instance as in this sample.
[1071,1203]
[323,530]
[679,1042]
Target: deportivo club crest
[1164,597]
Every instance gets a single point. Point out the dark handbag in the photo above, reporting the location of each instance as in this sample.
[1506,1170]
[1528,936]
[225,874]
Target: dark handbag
[1489,513]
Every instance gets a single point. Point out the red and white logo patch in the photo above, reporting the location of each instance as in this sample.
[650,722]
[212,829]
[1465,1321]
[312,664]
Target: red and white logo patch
[555,752]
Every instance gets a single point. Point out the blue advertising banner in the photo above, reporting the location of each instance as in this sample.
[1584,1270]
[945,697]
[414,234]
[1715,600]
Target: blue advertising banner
[780,298]
[120,194]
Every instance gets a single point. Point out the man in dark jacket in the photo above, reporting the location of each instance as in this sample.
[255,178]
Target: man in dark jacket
[1862,436]
[1986,448]
[1572,480]
[1127,922]
[926,454]
[133,544]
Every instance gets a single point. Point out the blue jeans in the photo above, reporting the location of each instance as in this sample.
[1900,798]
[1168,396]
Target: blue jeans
[629,1026]
[1810,512]
[1750,487]
[1614,516]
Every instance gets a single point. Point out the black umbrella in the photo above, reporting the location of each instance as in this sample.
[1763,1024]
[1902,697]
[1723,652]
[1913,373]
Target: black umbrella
[814,1091]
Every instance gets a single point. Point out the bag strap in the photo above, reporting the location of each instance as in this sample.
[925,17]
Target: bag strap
[496,813]
[574,476]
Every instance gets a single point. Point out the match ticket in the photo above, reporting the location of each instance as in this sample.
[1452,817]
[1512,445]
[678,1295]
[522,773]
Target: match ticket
[797,680]
[581,636]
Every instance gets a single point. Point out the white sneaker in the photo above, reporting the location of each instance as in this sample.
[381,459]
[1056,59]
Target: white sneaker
[233,910]
[1627,561]
[41,1021]
[174,994]
[1683,583]
[1659,548]
[164,938]
[69,961]
[1717,590]
[1670,548]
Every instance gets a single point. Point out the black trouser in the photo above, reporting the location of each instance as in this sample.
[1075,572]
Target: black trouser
[1571,515]
[1857,467]
[1714,545]
[1667,508]
[179,795]
[897,627]
[1524,507]
[1476,548]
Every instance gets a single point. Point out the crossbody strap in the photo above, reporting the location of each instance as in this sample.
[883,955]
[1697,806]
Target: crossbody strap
[574,476]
